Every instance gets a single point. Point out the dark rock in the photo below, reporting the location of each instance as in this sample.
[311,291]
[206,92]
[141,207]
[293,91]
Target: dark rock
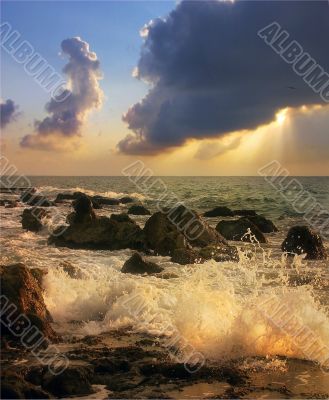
[194,228]
[29,197]
[83,208]
[186,256]
[137,265]
[219,212]
[65,196]
[245,213]
[111,366]
[73,381]
[86,230]
[106,201]
[162,236]
[126,200]
[13,386]
[303,240]
[263,224]
[73,271]
[74,196]
[219,253]
[38,274]
[138,210]
[32,217]
[237,229]
[8,203]
[23,290]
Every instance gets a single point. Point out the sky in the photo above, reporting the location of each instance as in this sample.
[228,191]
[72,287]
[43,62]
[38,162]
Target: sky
[190,87]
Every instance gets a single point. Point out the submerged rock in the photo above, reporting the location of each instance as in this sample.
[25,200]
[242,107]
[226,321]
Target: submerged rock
[219,253]
[137,265]
[263,224]
[219,212]
[245,213]
[126,200]
[237,230]
[21,289]
[303,240]
[74,196]
[138,210]
[106,200]
[29,197]
[186,256]
[32,217]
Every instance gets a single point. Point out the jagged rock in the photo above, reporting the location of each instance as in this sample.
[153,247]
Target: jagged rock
[245,213]
[20,288]
[126,200]
[162,236]
[237,229]
[38,274]
[194,228]
[219,212]
[303,240]
[137,265]
[32,217]
[186,256]
[73,381]
[138,210]
[106,200]
[13,386]
[263,224]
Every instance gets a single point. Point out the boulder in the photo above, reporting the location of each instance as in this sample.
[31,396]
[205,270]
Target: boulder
[86,230]
[74,196]
[106,201]
[137,265]
[219,212]
[245,213]
[237,229]
[29,197]
[219,253]
[186,256]
[32,217]
[21,289]
[126,200]
[263,224]
[13,386]
[162,236]
[8,203]
[73,381]
[138,210]
[303,240]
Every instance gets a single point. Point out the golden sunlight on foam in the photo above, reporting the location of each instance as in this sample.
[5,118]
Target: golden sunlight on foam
[281,116]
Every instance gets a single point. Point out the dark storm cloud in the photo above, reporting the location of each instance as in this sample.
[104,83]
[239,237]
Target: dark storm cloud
[67,116]
[7,112]
[212,74]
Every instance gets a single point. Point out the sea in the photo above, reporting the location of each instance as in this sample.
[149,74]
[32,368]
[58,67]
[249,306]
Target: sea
[225,310]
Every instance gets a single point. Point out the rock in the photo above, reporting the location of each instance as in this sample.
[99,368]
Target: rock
[263,224]
[303,240]
[65,196]
[162,236]
[245,213]
[194,228]
[73,271]
[38,274]
[138,210]
[83,208]
[86,230]
[74,196]
[21,289]
[237,229]
[32,217]
[73,381]
[126,200]
[106,200]
[186,256]
[219,253]
[8,203]
[29,197]
[13,386]
[219,212]
[137,265]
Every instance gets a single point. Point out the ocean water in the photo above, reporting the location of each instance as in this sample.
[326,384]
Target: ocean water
[223,310]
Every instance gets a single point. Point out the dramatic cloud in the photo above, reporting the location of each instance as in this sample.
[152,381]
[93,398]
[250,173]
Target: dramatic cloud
[8,112]
[67,116]
[211,74]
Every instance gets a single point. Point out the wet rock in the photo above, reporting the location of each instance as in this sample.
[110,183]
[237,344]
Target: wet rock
[245,213]
[219,212]
[303,240]
[65,196]
[73,271]
[21,289]
[32,217]
[39,274]
[74,196]
[13,386]
[106,200]
[126,200]
[263,224]
[29,197]
[219,253]
[73,381]
[86,230]
[162,236]
[111,366]
[186,256]
[137,265]
[138,210]
[237,230]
